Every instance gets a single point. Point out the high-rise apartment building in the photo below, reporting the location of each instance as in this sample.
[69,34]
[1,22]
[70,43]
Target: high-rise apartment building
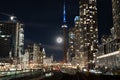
[116,17]
[108,54]
[83,38]
[88,22]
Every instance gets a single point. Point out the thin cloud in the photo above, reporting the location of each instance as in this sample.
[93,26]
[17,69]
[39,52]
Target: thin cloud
[36,24]
[54,47]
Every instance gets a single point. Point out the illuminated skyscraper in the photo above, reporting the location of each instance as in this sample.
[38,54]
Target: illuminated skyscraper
[36,53]
[11,39]
[116,17]
[64,26]
[76,43]
[108,54]
[88,22]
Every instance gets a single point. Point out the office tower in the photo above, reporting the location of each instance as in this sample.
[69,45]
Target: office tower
[76,50]
[11,39]
[36,53]
[71,53]
[116,17]
[88,22]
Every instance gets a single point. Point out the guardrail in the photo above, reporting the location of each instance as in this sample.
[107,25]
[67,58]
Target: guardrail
[8,75]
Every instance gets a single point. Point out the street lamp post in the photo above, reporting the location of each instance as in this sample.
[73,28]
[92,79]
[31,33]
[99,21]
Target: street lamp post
[11,17]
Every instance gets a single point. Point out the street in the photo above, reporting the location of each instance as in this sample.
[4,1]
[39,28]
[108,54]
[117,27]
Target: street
[81,76]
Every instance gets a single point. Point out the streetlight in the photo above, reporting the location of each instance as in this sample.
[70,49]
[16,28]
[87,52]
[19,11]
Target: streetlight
[11,17]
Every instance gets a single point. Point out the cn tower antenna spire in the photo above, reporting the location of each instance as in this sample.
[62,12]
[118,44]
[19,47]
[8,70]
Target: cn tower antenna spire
[64,13]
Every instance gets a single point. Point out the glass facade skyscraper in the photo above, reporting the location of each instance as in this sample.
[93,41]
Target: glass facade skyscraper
[11,39]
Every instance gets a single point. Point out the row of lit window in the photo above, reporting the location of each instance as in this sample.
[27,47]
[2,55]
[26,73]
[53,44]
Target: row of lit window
[84,5]
[92,7]
[87,14]
[91,28]
[85,22]
[3,36]
[92,0]
[86,19]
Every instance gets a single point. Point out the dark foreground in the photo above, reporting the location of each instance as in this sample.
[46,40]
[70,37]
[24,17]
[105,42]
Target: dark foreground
[81,76]
[57,75]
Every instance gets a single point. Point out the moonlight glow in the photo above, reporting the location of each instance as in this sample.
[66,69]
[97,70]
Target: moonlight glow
[59,40]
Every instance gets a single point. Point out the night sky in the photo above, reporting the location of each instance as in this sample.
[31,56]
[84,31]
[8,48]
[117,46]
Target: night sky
[43,20]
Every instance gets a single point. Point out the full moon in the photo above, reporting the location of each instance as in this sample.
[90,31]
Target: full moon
[59,40]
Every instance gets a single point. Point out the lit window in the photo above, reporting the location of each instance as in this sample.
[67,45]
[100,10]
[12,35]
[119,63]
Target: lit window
[93,21]
[83,4]
[71,41]
[71,46]
[84,22]
[95,8]
[91,16]
[91,11]
[88,19]
[91,30]
[80,30]
[1,24]
[84,12]
[81,41]
[85,28]
[3,36]
[87,33]
[96,29]
[90,7]
[81,46]
[94,35]
[117,2]
[8,36]
[91,27]
[71,35]
[95,40]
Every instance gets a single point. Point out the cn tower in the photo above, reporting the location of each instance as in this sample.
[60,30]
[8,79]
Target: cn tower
[64,26]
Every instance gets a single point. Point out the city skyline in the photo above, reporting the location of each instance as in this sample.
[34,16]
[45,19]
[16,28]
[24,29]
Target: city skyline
[43,18]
